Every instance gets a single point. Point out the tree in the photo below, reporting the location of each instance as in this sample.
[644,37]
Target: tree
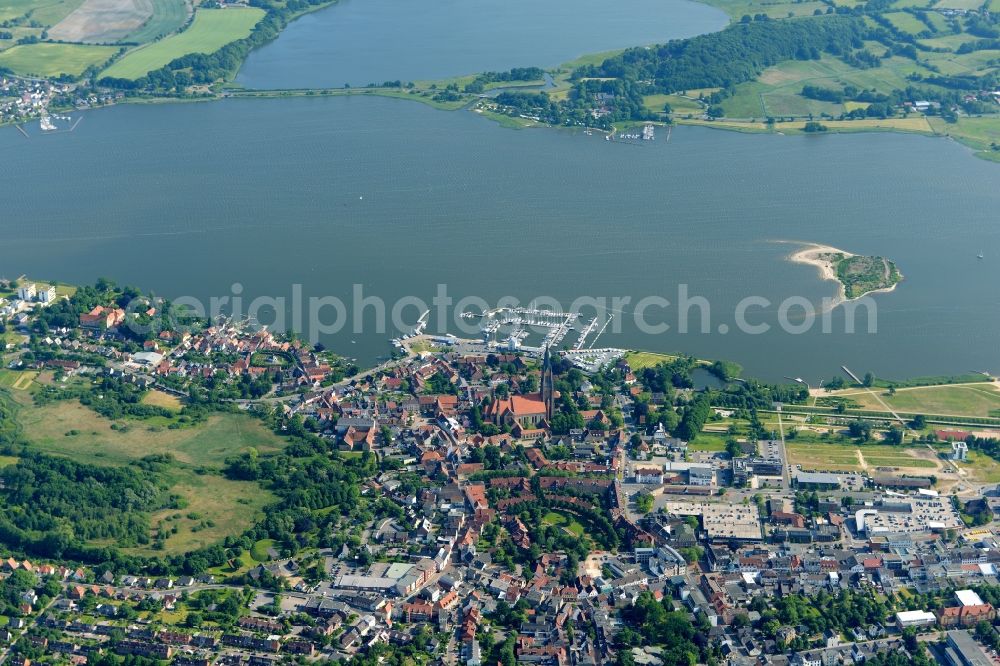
[644,502]
[733,448]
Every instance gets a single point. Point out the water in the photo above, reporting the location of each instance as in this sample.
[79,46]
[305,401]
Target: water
[371,41]
[190,199]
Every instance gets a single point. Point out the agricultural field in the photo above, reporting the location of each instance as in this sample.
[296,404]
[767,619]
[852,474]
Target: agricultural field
[906,22]
[777,92]
[49,429]
[102,21]
[210,31]
[17,380]
[46,12]
[980,399]
[958,4]
[737,8]
[52,60]
[168,17]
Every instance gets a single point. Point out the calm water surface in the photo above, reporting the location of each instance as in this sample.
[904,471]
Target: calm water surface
[364,41]
[189,199]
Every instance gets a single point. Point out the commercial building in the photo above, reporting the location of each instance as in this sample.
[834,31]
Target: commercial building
[917,618]
[817,481]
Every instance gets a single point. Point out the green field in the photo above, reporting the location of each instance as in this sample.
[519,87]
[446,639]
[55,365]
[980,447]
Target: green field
[259,550]
[958,4]
[980,399]
[46,12]
[208,444]
[847,457]
[777,92]
[906,22]
[168,16]
[210,31]
[640,360]
[50,60]
[566,522]
[213,506]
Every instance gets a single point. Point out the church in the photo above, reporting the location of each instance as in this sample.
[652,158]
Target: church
[530,411]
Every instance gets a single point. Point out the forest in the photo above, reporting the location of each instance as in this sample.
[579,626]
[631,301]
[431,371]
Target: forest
[52,506]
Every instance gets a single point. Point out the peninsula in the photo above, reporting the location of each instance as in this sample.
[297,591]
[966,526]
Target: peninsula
[781,67]
[857,275]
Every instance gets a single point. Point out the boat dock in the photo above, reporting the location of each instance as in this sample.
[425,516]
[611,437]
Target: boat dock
[21,130]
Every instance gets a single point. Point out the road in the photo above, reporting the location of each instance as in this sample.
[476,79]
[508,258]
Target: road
[6,653]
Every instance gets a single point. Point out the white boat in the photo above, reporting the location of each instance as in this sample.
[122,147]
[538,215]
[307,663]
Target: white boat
[46,124]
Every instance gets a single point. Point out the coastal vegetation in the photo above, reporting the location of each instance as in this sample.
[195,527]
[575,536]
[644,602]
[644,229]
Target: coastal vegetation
[863,275]
[856,275]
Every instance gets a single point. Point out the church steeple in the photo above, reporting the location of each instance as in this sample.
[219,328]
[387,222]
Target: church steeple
[548,386]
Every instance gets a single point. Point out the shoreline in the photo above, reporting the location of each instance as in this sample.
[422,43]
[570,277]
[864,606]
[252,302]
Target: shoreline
[813,254]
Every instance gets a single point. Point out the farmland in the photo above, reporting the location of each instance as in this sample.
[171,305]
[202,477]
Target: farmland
[168,17]
[211,30]
[52,60]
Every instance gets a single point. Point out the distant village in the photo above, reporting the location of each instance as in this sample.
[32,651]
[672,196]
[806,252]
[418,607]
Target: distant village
[502,531]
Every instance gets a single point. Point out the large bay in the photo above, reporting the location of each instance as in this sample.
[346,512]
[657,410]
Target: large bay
[371,41]
[189,199]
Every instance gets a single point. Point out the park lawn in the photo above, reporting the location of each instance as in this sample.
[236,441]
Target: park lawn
[709,441]
[978,399]
[205,444]
[161,399]
[637,360]
[568,523]
[243,564]
[210,31]
[51,60]
[258,552]
[168,16]
[7,461]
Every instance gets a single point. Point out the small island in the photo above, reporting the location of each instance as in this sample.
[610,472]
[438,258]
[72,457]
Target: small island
[857,275]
